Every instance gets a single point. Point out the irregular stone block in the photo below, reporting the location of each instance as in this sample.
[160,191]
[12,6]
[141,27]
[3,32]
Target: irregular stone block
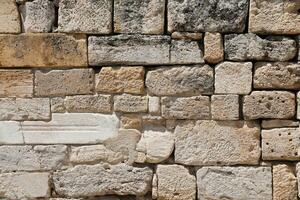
[180,81]
[186,107]
[217,142]
[28,158]
[234,183]
[233,78]
[154,105]
[185,52]
[9,17]
[131,122]
[63,82]
[11,133]
[241,47]
[24,185]
[269,104]
[130,104]
[146,17]
[58,105]
[278,123]
[85,16]
[175,183]
[71,128]
[274,17]
[43,50]
[278,75]
[186,36]
[24,109]
[102,180]
[121,80]
[225,107]
[16,83]
[128,50]
[213,48]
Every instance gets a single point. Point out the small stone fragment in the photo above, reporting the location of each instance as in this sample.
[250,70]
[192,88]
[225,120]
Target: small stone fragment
[279,123]
[131,122]
[58,105]
[185,52]
[130,104]
[225,107]
[9,17]
[186,36]
[154,105]
[213,48]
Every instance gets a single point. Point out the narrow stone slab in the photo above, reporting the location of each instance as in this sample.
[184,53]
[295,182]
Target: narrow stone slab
[9,17]
[217,143]
[279,123]
[130,104]
[234,183]
[11,133]
[71,128]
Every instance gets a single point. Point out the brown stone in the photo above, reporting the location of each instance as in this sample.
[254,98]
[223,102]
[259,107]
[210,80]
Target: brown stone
[225,107]
[9,17]
[213,48]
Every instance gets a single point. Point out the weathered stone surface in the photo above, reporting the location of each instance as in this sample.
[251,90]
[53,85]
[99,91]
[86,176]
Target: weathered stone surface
[23,185]
[89,103]
[185,52]
[274,17]
[279,123]
[186,107]
[234,183]
[233,78]
[181,81]
[24,109]
[241,47]
[175,183]
[121,80]
[269,104]
[43,50]
[128,50]
[298,106]
[130,104]
[299,47]
[28,158]
[16,83]
[213,48]
[11,133]
[146,17]
[203,16]
[186,35]
[38,16]
[71,128]
[217,142]
[58,105]
[154,105]
[284,183]
[225,107]
[9,17]
[131,122]
[63,82]
[278,75]
[281,144]
[94,180]
[85,16]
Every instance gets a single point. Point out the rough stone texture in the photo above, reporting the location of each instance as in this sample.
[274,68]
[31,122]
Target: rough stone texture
[274,17]
[38,16]
[234,183]
[278,75]
[89,103]
[213,48]
[154,105]
[128,50]
[16,83]
[241,47]
[23,185]
[203,16]
[58,105]
[130,104]
[82,16]
[185,52]
[9,17]
[131,122]
[284,183]
[281,144]
[186,107]
[269,104]
[92,180]
[217,142]
[233,78]
[11,133]
[175,183]
[42,50]
[63,82]
[121,80]
[186,35]
[24,109]
[28,158]
[225,107]
[181,81]
[146,17]
[298,107]
[277,123]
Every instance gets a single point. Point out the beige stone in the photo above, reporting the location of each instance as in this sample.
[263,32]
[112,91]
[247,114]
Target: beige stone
[225,107]
[278,123]
[130,104]
[131,122]
[154,105]
[298,107]
[186,35]
[11,133]
[175,183]
[185,52]
[43,50]
[16,83]
[121,80]
[9,17]
[213,48]
[58,105]
[217,143]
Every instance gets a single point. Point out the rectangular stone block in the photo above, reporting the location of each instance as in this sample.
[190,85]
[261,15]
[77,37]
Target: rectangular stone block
[43,50]
[130,104]
[9,17]
[217,143]
[11,133]
[278,123]
[225,107]
[186,107]
[213,47]
[16,83]
[64,82]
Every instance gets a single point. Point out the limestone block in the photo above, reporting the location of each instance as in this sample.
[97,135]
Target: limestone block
[11,133]
[131,122]
[9,17]
[278,123]
[225,107]
[186,35]
[213,48]
[185,52]
[58,105]
[130,103]
[154,105]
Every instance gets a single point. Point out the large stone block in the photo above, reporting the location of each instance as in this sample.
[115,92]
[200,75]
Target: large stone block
[43,50]
[217,142]
[234,183]
[130,103]
[9,17]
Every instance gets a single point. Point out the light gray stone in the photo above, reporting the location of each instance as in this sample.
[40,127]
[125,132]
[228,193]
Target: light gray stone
[154,105]
[185,52]
[225,107]
[11,133]
[130,104]
[58,105]
[278,123]
[9,17]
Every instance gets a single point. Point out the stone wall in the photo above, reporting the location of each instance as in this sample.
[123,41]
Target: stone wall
[149,99]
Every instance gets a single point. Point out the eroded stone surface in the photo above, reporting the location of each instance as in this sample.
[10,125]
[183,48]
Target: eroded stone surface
[130,104]
[213,47]
[225,107]
[58,105]
[9,17]
[186,35]
[279,123]
[131,122]
[185,52]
